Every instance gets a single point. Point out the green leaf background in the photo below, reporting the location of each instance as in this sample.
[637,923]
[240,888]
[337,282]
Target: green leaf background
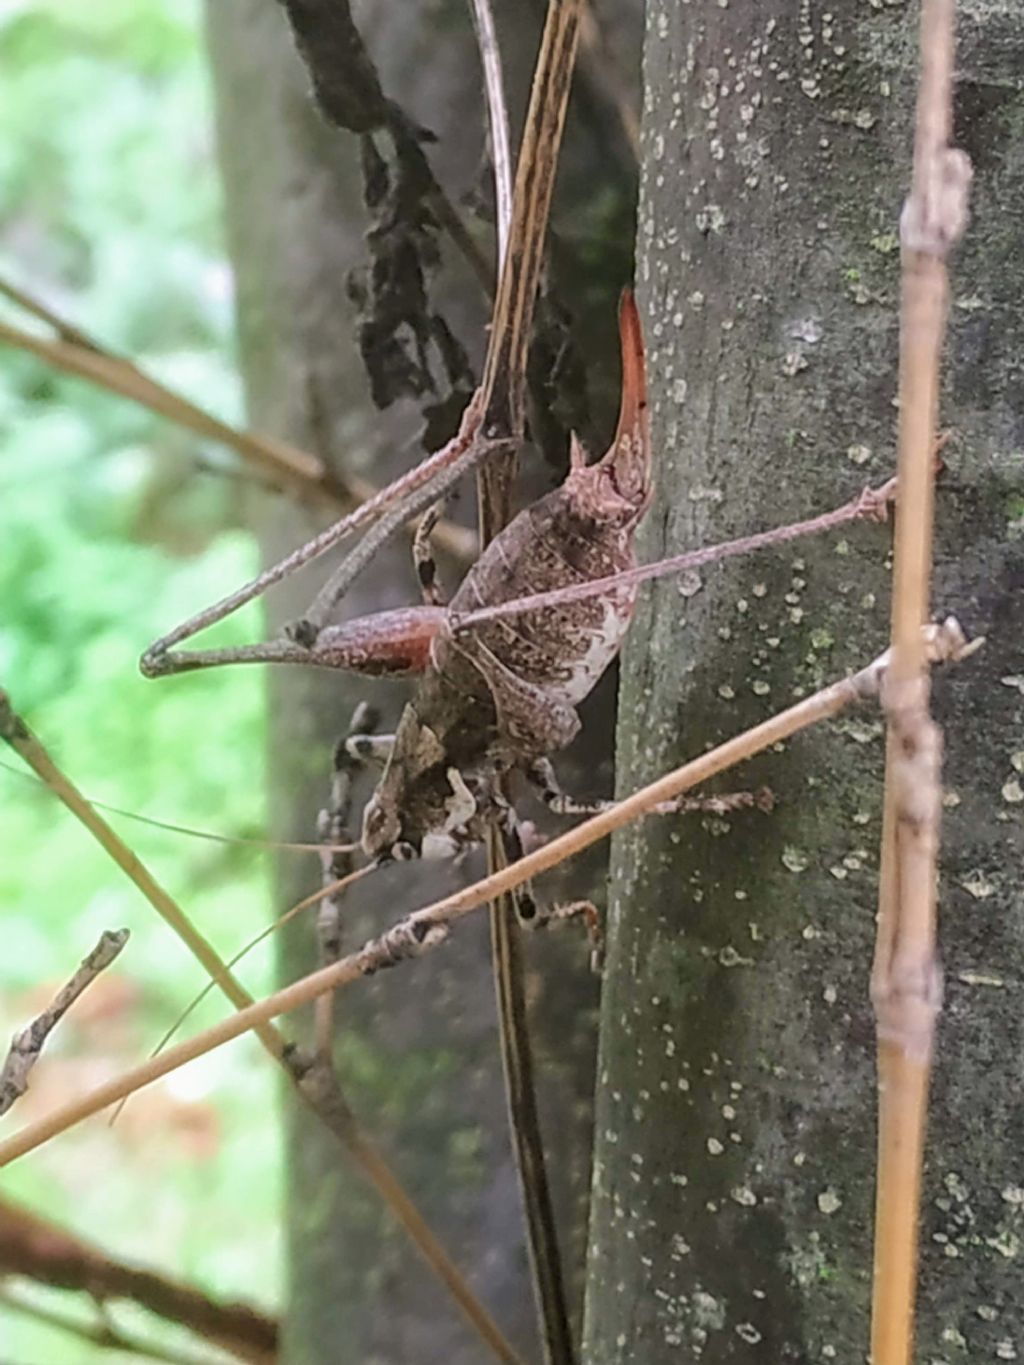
[114,525]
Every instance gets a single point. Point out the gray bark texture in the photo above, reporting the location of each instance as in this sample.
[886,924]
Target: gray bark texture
[735,1142]
[417,1048]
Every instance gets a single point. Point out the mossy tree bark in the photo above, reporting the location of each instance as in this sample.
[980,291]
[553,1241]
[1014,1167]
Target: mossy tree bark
[417,1048]
[735,1110]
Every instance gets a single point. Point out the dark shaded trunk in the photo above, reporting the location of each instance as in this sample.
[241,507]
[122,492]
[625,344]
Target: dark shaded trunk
[735,1111]
[417,1048]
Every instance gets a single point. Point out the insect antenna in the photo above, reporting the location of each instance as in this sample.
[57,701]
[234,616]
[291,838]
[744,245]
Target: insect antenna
[190,831]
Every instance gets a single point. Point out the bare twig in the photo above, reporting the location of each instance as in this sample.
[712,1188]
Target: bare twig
[14,730]
[335,887]
[524,1118]
[906,980]
[39,1250]
[27,1045]
[426,929]
[75,352]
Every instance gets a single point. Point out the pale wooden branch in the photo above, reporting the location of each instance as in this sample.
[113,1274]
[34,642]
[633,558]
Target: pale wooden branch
[424,930]
[335,1115]
[906,985]
[28,1043]
[286,465]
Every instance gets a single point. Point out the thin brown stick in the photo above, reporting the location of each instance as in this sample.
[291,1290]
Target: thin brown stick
[28,1043]
[513,311]
[332,1111]
[337,886]
[906,983]
[426,929]
[39,1250]
[104,1332]
[287,466]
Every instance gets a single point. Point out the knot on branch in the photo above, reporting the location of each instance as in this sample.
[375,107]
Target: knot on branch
[408,938]
[907,1000]
[935,213]
[943,641]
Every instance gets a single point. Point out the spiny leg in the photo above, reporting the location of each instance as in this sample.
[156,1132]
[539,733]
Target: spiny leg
[533,915]
[541,776]
[308,627]
[332,827]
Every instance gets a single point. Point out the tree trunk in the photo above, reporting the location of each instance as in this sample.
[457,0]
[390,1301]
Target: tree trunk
[417,1048]
[733,1186]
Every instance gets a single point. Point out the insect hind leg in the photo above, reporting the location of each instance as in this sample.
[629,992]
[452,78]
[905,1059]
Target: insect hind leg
[542,777]
[534,915]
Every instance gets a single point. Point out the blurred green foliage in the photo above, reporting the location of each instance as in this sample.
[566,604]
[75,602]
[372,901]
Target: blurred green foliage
[114,526]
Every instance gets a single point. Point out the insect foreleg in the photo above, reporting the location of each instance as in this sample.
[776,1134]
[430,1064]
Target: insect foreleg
[308,627]
[370,748]
[438,471]
[386,644]
[533,914]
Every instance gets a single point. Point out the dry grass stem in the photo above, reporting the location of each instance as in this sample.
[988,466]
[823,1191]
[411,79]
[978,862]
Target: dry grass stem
[906,980]
[284,464]
[522,212]
[337,1115]
[426,929]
